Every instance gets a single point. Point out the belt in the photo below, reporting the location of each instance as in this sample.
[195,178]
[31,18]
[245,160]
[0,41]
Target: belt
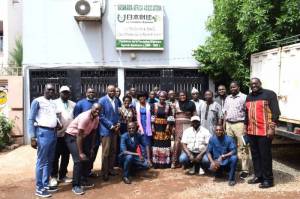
[234,122]
[45,127]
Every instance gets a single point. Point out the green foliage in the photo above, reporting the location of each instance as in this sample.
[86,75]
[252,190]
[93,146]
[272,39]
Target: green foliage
[6,126]
[17,54]
[238,29]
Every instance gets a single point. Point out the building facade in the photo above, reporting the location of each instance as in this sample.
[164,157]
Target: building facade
[65,51]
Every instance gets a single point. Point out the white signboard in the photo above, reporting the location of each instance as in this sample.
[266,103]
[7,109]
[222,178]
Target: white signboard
[139,25]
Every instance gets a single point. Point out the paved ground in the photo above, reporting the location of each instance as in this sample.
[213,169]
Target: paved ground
[17,181]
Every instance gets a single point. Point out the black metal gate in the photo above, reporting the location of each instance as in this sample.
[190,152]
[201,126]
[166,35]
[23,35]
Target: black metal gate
[78,80]
[166,79]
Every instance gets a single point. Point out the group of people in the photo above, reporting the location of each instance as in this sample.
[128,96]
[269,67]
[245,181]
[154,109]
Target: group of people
[136,132]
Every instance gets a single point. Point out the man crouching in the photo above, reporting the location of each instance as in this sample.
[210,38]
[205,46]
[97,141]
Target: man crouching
[130,159]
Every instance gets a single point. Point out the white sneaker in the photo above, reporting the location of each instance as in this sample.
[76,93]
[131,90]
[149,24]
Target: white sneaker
[201,171]
[53,182]
[192,170]
[66,180]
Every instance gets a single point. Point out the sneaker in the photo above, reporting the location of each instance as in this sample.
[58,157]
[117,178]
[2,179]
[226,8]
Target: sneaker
[78,190]
[66,180]
[201,171]
[87,185]
[51,189]
[43,193]
[231,183]
[53,182]
[192,170]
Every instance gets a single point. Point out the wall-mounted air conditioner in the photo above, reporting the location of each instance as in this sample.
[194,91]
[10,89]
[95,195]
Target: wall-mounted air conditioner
[89,10]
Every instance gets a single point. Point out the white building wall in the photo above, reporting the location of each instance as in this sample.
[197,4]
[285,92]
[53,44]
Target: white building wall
[11,15]
[52,37]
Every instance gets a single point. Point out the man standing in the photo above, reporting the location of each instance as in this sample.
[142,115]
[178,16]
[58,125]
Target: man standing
[221,153]
[220,98]
[42,128]
[65,108]
[194,142]
[210,113]
[234,117]
[262,114]
[132,94]
[118,94]
[82,106]
[80,147]
[108,130]
[196,99]
[129,158]
[86,103]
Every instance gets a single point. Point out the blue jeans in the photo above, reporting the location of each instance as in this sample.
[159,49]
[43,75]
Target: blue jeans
[185,160]
[132,163]
[46,140]
[229,166]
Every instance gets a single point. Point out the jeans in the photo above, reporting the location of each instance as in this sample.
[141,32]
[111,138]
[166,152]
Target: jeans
[229,166]
[95,149]
[62,152]
[132,163]
[46,141]
[262,157]
[81,168]
[185,160]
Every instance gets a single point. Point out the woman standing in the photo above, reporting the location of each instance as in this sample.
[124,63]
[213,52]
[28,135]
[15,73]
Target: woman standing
[127,114]
[161,148]
[184,110]
[143,114]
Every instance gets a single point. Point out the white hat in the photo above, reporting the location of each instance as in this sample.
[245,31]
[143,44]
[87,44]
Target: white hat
[64,88]
[194,90]
[196,117]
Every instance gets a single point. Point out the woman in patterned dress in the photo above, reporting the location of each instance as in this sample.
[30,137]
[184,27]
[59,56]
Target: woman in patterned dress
[161,146]
[127,114]
[184,110]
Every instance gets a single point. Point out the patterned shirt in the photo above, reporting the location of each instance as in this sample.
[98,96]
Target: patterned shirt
[262,110]
[234,107]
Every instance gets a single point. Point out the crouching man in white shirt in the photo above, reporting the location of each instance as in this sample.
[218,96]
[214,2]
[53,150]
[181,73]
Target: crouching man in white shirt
[194,143]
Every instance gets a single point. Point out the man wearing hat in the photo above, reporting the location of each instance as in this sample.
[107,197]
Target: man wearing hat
[65,108]
[196,99]
[194,143]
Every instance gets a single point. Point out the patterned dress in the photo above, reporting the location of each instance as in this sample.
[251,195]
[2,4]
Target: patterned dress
[126,115]
[161,148]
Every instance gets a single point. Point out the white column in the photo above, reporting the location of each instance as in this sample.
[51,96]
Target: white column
[121,81]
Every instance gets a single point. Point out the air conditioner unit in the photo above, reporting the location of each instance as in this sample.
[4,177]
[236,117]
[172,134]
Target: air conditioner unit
[88,10]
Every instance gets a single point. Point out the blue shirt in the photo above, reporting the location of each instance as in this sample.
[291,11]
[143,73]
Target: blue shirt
[129,143]
[143,112]
[220,146]
[83,105]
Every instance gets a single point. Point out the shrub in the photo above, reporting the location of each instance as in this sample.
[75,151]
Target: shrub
[6,126]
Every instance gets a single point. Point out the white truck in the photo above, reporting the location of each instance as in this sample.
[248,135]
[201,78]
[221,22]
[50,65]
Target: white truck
[279,70]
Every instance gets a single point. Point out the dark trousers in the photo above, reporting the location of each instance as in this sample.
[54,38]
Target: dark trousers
[262,157]
[132,163]
[81,168]
[109,145]
[95,149]
[63,153]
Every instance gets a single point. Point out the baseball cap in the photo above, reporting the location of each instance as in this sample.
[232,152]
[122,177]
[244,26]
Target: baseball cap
[195,118]
[64,88]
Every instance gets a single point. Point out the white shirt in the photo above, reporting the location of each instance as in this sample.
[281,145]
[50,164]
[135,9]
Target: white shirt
[196,140]
[66,114]
[198,105]
[112,101]
[46,115]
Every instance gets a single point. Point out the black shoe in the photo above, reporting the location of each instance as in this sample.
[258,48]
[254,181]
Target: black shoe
[112,173]
[255,180]
[105,178]
[244,175]
[126,180]
[231,183]
[51,189]
[266,184]
[87,185]
[93,175]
